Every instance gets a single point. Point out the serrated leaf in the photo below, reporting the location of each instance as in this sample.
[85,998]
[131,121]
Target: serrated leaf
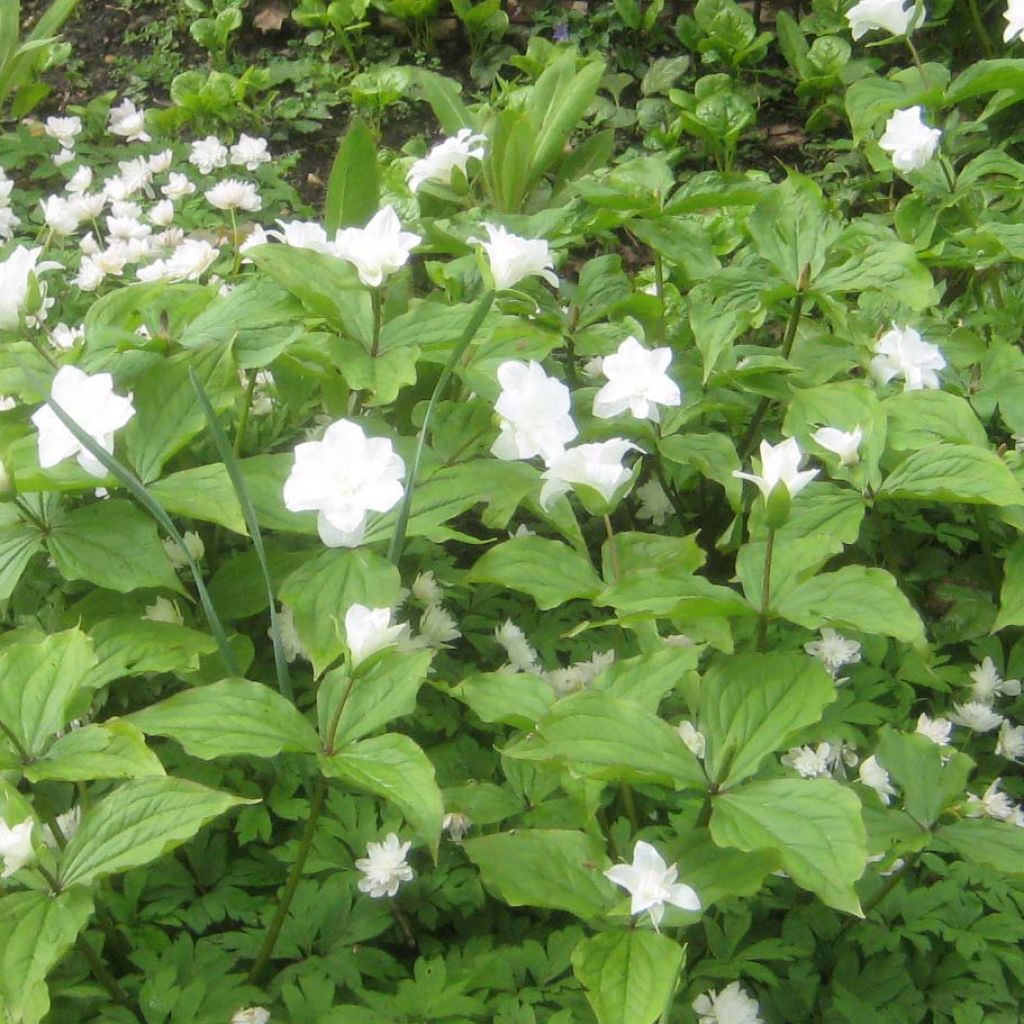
[114,749]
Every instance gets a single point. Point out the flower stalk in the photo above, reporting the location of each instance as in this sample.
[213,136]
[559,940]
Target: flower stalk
[766,589]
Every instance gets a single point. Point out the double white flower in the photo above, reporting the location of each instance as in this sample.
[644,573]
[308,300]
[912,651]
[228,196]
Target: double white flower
[512,258]
[369,630]
[384,867]
[597,466]
[892,16]
[377,250]
[535,413]
[637,381]
[908,140]
[901,352]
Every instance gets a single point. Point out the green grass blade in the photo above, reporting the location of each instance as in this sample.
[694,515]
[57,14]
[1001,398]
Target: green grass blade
[157,511]
[284,683]
[398,538]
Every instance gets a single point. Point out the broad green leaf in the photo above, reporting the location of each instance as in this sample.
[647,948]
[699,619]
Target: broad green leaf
[871,99]
[629,976]
[712,455]
[953,472]
[794,560]
[382,376]
[857,598]
[635,551]
[555,868]
[752,704]
[548,570]
[647,679]
[18,544]
[1011,595]
[813,824]
[321,591]
[995,844]
[659,593]
[113,544]
[232,718]
[443,96]
[716,873]
[353,189]
[985,76]
[39,682]
[202,493]
[521,699]
[36,930]
[237,586]
[138,822]
[928,777]
[384,689]
[602,737]
[135,646]
[395,768]
[114,749]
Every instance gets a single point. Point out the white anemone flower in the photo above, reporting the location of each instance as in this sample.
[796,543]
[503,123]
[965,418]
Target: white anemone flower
[59,215]
[730,1006]
[301,234]
[232,194]
[250,1015]
[1010,743]
[651,883]
[936,729]
[15,846]
[811,762]
[987,683]
[833,650]
[377,250]
[521,656]
[369,630]
[976,716]
[901,352]
[80,181]
[993,803]
[597,466]
[535,413]
[342,478]
[64,130]
[908,140]
[249,152]
[206,155]
[844,443]
[128,122]
[384,867]
[780,464]
[890,16]
[637,381]
[178,186]
[512,258]
[439,164]
[89,401]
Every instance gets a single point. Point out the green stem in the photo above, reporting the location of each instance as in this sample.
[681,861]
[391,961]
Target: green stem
[294,877]
[613,554]
[234,242]
[979,27]
[376,303]
[105,978]
[27,512]
[659,290]
[15,742]
[917,61]
[243,419]
[766,592]
[630,804]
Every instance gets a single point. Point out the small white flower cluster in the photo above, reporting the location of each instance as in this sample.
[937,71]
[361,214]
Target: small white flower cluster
[901,352]
[730,1006]
[437,627]
[384,867]
[979,714]
[64,131]
[523,658]
[834,651]
[820,762]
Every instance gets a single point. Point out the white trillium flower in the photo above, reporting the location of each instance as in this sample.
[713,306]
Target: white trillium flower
[875,777]
[249,152]
[250,1015]
[128,122]
[90,401]
[811,762]
[535,413]
[890,16]
[637,381]
[908,140]
[901,352]
[833,650]
[936,729]
[232,194]
[1014,15]
[16,273]
[64,130]
[206,155]
[976,716]
[377,250]
[780,464]
[384,867]
[343,477]
[15,846]
[598,466]
[301,234]
[512,258]
[369,630]
[652,883]
[1010,743]
[693,739]
[442,160]
[730,1006]
[987,684]
[844,443]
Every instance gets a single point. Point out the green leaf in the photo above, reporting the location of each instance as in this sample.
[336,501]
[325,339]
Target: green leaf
[814,825]
[138,822]
[38,683]
[712,455]
[112,544]
[1011,595]
[716,873]
[36,930]
[443,96]
[134,647]
[953,472]
[985,76]
[114,749]
[752,704]
[232,718]
[629,976]
[383,375]
[554,868]
[394,767]
[994,844]
[548,570]
[519,699]
[659,593]
[929,777]
[857,598]
[648,678]
[18,544]
[205,493]
[602,737]
[353,189]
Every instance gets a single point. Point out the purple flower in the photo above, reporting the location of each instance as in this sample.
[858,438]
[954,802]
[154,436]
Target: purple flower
[561,33]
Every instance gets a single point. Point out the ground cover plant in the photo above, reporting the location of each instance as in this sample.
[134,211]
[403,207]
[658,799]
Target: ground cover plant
[558,563]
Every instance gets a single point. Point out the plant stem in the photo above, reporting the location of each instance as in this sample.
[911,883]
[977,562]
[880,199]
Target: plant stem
[766,592]
[243,419]
[29,514]
[375,302]
[105,978]
[15,742]
[917,61]
[659,290]
[630,804]
[979,27]
[613,555]
[294,877]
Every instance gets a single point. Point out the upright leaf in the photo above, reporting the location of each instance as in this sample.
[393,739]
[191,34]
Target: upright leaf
[353,189]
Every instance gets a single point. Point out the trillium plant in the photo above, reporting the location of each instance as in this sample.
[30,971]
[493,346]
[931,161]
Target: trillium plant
[533,575]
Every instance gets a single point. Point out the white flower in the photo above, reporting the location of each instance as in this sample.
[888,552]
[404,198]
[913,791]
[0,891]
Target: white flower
[580,674]
[384,867]
[992,804]
[15,846]
[843,443]
[811,762]
[301,234]
[652,883]
[597,466]
[233,194]
[193,546]
[442,160]
[522,657]
[178,186]
[457,825]
[369,630]
[125,120]
[902,353]
[126,228]
[160,162]
[343,477]
[1014,15]
[833,650]
[593,367]
[1010,743]
[189,261]
[89,401]
[87,205]
[936,729]
[67,825]
[976,716]
[65,156]
[59,215]
[875,777]
[654,503]
[290,639]
[250,1015]
[426,589]
[135,174]
[208,154]
[695,741]
[162,213]
[534,410]
[908,140]
[888,15]
[730,1006]
[988,684]
[9,221]
[377,250]
[249,152]
[437,627]
[64,130]
[512,258]
[637,381]
[164,610]
[780,463]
